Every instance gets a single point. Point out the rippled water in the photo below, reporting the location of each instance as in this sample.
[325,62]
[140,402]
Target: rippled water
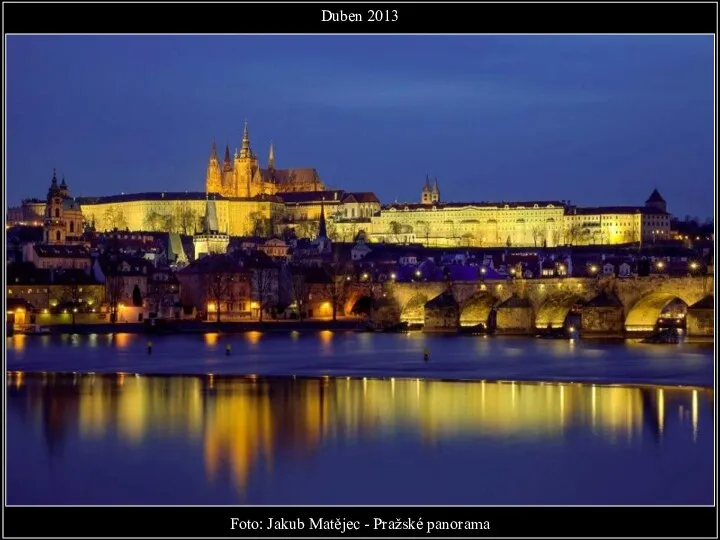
[345,418]
[126,439]
[363,354]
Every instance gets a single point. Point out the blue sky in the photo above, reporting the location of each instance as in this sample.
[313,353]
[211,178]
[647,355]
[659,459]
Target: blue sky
[593,119]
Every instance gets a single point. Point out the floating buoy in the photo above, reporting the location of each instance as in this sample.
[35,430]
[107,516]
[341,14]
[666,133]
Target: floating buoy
[426,354]
[227,350]
[149,347]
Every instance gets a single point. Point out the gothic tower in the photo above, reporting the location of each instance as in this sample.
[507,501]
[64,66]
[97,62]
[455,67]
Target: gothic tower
[210,240]
[271,158]
[245,168]
[213,179]
[426,197]
[435,194]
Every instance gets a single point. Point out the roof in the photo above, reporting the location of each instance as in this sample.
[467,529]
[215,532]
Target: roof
[655,197]
[311,197]
[362,197]
[62,251]
[28,273]
[301,175]
[502,204]
[599,210]
[212,263]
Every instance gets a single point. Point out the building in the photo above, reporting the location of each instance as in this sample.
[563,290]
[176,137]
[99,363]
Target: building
[451,224]
[217,286]
[210,241]
[434,223]
[243,177]
[63,220]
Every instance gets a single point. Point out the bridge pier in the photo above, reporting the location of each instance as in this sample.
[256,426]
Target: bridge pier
[442,314]
[700,319]
[515,317]
[603,316]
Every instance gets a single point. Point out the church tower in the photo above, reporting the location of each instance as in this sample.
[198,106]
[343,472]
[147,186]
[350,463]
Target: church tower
[213,179]
[63,216]
[210,240]
[322,241]
[271,158]
[435,194]
[246,165]
[426,197]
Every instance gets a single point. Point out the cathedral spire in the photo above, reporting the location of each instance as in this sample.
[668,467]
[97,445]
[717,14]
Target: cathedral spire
[54,178]
[245,151]
[62,183]
[227,153]
[271,158]
[213,152]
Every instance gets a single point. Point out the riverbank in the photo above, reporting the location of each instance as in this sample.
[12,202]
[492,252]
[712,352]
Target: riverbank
[194,327]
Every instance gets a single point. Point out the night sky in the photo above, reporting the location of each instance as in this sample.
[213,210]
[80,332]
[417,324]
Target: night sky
[593,119]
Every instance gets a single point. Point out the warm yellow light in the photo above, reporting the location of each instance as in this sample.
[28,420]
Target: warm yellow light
[593,268]
[365,276]
[693,265]
[211,306]
[418,273]
[90,302]
[393,275]
[74,310]
[482,270]
[512,270]
[254,305]
[45,311]
[121,306]
[660,264]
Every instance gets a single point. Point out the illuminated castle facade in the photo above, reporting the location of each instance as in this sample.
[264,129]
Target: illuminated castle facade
[242,176]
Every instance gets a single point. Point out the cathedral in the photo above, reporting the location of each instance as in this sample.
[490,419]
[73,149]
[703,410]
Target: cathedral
[242,176]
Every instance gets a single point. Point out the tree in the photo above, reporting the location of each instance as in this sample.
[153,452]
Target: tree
[114,288]
[185,218]
[337,272]
[574,233]
[71,294]
[263,280]
[137,297]
[508,242]
[259,226]
[538,234]
[394,230]
[556,236]
[115,219]
[216,286]
[298,289]
[423,230]
[157,294]
[307,229]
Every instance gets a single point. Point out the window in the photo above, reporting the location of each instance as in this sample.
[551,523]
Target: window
[72,226]
[57,236]
[57,212]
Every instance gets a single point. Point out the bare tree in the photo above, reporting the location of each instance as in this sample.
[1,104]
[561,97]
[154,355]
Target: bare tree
[336,288]
[538,234]
[114,289]
[70,294]
[216,289]
[185,218]
[298,289]
[115,219]
[556,236]
[423,230]
[306,229]
[158,292]
[395,230]
[264,279]
[575,233]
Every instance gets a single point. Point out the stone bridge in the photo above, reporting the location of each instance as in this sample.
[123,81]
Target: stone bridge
[607,305]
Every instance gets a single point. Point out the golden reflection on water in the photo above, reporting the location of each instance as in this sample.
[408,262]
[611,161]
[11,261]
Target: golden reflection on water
[242,423]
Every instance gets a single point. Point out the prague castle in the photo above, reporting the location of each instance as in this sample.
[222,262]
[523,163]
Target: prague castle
[242,176]
[248,200]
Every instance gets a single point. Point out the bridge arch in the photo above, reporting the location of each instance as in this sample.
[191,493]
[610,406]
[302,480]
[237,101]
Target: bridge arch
[477,310]
[555,310]
[644,314]
[413,311]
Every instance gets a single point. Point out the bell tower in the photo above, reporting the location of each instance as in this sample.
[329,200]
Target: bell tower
[213,178]
[54,226]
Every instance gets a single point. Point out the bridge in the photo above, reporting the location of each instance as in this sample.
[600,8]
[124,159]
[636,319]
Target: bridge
[605,305]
